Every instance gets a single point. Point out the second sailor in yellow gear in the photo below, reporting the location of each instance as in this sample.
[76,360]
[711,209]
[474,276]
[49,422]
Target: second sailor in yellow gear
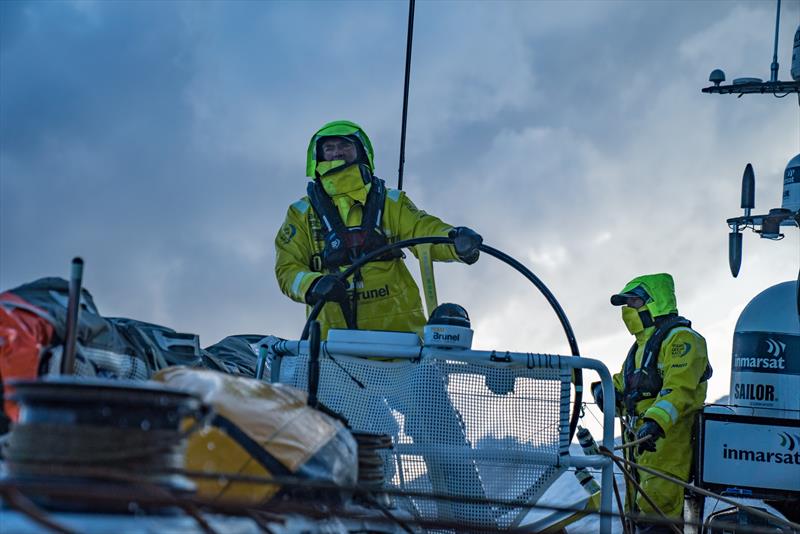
[661,388]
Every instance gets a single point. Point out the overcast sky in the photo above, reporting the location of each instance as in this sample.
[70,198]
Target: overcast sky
[163,141]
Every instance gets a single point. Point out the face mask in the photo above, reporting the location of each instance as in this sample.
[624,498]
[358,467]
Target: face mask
[630,316]
[324,167]
[346,181]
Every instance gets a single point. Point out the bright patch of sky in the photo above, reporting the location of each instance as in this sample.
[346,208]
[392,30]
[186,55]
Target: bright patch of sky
[164,141]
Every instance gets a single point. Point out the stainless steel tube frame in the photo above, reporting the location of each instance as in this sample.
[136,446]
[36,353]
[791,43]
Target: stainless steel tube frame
[499,359]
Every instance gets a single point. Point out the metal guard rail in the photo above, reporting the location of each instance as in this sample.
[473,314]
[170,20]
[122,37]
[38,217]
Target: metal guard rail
[495,358]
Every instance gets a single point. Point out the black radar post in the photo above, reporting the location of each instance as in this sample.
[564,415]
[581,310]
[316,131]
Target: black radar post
[505,258]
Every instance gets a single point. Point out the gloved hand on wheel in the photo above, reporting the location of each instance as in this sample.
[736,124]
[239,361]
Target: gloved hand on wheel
[597,393]
[649,428]
[466,242]
[327,287]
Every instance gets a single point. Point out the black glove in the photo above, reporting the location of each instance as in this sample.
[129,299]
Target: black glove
[649,428]
[597,393]
[328,288]
[466,243]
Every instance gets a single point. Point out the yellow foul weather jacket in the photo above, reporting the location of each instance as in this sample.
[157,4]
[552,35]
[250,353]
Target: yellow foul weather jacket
[684,370]
[387,297]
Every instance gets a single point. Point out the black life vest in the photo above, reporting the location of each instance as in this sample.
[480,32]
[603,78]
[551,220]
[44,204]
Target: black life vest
[646,381]
[344,244]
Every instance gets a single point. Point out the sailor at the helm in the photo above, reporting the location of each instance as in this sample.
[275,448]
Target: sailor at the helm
[347,213]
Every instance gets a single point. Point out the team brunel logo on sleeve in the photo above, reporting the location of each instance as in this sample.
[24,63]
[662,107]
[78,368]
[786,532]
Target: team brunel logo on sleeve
[681,349]
[287,233]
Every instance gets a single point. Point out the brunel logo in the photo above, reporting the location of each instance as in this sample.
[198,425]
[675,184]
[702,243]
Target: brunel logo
[446,337]
[378,292]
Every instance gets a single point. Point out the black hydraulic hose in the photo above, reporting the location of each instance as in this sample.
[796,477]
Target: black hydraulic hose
[409,38]
[344,275]
[505,258]
[577,374]
[562,317]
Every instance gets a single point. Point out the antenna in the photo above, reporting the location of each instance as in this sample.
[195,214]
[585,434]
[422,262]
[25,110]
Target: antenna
[750,85]
[773,68]
[409,37]
[748,203]
[767,225]
[748,189]
[735,252]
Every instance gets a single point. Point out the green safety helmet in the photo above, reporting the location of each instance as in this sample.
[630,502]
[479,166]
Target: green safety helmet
[657,290]
[347,129]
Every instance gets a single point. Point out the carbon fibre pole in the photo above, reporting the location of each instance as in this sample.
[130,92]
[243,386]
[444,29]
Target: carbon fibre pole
[73,316]
[313,365]
[409,38]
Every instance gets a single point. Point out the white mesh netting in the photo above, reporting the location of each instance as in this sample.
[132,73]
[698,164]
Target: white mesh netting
[459,429]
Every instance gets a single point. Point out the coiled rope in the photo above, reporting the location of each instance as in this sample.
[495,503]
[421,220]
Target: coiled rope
[35,448]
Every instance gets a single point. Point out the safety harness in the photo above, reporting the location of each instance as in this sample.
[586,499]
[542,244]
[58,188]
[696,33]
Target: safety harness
[343,244]
[646,381]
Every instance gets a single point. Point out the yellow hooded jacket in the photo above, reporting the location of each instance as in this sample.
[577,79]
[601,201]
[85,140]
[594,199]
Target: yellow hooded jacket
[388,298]
[682,363]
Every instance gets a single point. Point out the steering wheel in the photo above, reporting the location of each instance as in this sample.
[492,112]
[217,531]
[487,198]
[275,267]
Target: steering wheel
[577,376]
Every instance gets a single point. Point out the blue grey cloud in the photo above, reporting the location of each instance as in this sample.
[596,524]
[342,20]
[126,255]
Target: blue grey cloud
[163,141]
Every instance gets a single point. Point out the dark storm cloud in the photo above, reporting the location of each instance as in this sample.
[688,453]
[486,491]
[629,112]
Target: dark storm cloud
[92,76]
[163,141]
